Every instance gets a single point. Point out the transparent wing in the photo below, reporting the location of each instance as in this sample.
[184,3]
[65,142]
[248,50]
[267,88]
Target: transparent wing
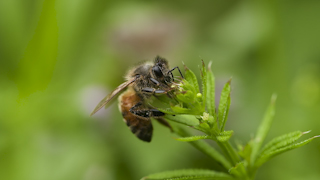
[108,98]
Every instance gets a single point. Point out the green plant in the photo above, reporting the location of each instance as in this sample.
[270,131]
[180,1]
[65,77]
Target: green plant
[197,110]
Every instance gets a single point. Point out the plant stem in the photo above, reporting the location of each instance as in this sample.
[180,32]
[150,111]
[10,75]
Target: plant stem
[229,151]
[204,147]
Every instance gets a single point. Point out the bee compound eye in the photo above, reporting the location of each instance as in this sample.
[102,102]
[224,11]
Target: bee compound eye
[157,71]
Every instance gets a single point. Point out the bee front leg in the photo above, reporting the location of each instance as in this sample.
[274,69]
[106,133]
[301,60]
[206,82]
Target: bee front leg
[153,91]
[178,70]
[155,81]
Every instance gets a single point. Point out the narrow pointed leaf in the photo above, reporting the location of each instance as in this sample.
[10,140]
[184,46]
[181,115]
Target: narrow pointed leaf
[225,118]
[187,97]
[193,138]
[191,78]
[189,86]
[281,141]
[204,79]
[181,110]
[223,104]
[205,126]
[167,111]
[224,136]
[183,119]
[245,152]
[239,170]
[189,174]
[263,129]
[211,107]
[166,100]
[204,147]
[261,160]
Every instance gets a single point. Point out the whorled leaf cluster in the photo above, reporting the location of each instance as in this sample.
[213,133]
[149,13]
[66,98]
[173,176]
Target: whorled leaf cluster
[191,107]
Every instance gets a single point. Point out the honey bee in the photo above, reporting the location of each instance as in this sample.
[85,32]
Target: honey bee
[142,82]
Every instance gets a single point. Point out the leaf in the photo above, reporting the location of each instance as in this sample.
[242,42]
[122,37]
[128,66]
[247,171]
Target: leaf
[229,151]
[193,138]
[167,111]
[211,107]
[223,104]
[246,151]
[213,125]
[239,170]
[224,136]
[204,127]
[204,84]
[281,141]
[165,100]
[261,160]
[187,86]
[263,129]
[204,147]
[189,174]
[225,118]
[188,120]
[187,97]
[191,78]
[181,110]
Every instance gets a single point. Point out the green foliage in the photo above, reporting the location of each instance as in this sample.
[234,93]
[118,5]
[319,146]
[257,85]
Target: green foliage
[269,154]
[211,107]
[204,147]
[224,136]
[263,129]
[184,119]
[282,141]
[193,138]
[224,104]
[197,110]
[189,174]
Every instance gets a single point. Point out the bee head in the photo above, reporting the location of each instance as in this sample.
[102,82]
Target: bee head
[160,70]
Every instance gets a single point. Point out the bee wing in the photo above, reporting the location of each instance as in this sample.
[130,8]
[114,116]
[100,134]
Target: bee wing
[108,98]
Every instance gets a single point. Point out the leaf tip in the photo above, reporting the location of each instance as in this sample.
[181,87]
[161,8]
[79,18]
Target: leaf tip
[273,98]
[306,132]
[185,67]
[209,66]
[315,136]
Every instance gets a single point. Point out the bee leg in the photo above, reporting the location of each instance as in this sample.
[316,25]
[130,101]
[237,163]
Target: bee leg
[155,81]
[165,123]
[174,69]
[153,91]
[135,106]
[145,112]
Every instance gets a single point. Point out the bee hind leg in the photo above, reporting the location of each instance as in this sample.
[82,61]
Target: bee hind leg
[164,122]
[146,112]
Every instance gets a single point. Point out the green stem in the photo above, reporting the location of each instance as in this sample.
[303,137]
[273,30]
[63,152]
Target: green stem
[229,151]
[204,147]
[252,174]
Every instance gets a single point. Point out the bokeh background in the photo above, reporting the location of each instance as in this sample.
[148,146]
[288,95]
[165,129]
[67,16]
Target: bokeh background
[59,58]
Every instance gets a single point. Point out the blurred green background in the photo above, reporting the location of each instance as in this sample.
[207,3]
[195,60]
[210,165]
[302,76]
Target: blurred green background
[58,59]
